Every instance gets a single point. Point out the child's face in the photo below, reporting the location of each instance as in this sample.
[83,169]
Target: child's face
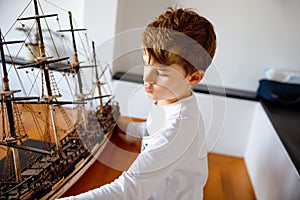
[165,84]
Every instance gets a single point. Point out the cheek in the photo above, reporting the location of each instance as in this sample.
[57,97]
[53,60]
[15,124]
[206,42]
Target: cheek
[173,87]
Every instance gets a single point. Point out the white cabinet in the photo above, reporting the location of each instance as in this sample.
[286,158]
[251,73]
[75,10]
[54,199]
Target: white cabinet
[271,170]
[228,123]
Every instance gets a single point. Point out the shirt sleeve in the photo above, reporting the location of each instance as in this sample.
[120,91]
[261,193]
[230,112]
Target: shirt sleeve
[136,129]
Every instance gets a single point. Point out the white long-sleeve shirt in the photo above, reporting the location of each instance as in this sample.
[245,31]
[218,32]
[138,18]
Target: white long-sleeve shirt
[173,161]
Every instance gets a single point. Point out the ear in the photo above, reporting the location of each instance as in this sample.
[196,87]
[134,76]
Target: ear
[196,77]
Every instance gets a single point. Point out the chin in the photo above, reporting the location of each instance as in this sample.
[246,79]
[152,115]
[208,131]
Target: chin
[151,96]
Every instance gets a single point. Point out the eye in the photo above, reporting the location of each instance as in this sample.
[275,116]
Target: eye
[161,74]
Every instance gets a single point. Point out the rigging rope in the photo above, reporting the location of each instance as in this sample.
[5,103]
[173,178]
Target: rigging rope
[18,17]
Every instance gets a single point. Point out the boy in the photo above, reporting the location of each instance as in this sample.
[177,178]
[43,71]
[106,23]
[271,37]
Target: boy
[177,48]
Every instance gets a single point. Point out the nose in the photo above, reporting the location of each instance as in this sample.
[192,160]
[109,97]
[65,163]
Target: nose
[149,75]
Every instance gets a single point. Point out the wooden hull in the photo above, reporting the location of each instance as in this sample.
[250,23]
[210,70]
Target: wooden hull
[66,183]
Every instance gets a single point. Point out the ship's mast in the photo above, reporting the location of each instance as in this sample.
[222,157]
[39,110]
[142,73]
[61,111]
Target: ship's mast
[75,67]
[5,88]
[47,78]
[76,61]
[6,95]
[42,61]
[42,50]
[98,83]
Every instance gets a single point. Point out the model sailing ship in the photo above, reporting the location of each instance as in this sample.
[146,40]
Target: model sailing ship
[42,167]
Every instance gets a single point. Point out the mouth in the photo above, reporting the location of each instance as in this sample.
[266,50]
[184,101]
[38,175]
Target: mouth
[148,89]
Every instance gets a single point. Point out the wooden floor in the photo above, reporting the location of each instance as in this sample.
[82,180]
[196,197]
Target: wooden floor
[228,177]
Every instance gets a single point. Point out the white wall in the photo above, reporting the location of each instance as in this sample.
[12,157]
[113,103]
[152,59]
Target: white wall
[252,35]
[100,18]
[133,16]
